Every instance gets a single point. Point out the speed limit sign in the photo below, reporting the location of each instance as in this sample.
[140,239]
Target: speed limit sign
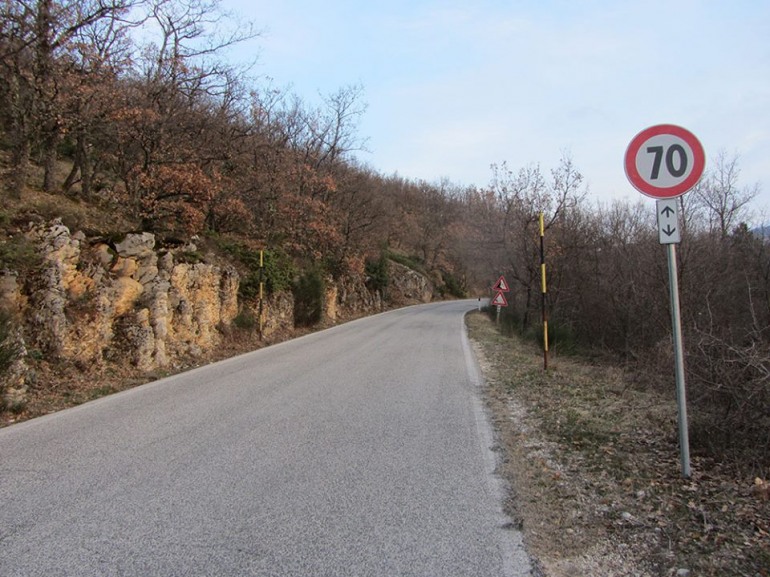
[664,161]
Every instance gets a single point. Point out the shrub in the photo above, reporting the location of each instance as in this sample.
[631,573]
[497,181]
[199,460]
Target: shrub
[245,320]
[277,273]
[19,254]
[9,347]
[309,292]
[452,286]
[190,257]
[377,273]
[561,338]
[412,262]
[510,321]
[729,394]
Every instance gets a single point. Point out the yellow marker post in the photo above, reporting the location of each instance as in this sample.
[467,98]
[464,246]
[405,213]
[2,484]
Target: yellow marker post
[261,291]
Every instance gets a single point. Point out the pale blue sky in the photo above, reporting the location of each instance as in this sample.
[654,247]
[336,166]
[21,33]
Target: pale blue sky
[453,87]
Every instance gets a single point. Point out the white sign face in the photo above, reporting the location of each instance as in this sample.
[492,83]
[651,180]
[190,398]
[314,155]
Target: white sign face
[664,161]
[668,221]
[499,300]
[501,285]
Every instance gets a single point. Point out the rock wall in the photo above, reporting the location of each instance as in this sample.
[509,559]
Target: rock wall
[349,298]
[93,301]
[406,286]
[13,386]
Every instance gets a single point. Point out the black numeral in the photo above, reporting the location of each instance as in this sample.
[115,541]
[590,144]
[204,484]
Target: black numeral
[675,150]
[678,149]
[658,152]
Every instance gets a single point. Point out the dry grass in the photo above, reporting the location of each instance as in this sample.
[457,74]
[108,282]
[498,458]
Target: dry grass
[594,471]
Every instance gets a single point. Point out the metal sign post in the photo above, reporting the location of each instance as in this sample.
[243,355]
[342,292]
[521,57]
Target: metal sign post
[664,162]
[668,234]
[681,397]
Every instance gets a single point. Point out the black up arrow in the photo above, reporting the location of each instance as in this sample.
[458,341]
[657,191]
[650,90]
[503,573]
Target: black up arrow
[667,212]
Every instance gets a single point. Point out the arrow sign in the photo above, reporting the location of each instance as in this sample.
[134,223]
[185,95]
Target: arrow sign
[501,285]
[499,300]
[668,221]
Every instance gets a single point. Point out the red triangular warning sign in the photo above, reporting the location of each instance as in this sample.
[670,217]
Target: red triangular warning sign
[501,285]
[499,300]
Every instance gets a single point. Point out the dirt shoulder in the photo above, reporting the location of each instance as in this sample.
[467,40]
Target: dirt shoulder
[593,469]
[55,386]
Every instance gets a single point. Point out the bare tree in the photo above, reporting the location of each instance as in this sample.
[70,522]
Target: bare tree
[36,38]
[333,130]
[719,195]
[182,94]
[522,196]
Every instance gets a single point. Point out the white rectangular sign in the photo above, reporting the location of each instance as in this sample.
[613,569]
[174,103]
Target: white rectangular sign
[668,221]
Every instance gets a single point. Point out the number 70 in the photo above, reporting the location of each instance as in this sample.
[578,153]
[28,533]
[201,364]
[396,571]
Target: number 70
[676,166]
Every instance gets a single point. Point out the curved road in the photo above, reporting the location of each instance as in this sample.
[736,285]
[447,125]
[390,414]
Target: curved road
[362,450]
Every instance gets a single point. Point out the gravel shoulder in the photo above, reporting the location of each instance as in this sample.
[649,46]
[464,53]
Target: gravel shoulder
[593,470]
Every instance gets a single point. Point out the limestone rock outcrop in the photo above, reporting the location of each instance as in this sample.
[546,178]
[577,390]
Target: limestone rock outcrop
[407,286]
[94,300]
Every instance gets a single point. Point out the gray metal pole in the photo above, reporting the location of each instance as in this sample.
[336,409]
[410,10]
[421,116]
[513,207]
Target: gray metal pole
[681,397]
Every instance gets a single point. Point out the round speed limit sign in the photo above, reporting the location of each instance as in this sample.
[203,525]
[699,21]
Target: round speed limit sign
[664,161]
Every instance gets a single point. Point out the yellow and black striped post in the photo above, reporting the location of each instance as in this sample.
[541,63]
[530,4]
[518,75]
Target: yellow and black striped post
[261,291]
[544,292]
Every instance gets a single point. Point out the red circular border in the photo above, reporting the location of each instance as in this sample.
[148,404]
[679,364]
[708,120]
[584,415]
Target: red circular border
[699,162]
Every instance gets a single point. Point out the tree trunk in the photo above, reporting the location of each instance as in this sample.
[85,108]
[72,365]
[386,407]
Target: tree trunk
[86,168]
[82,165]
[525,319]
[20,135]
[21,152]
[20,159]
[49,161]
[46,88]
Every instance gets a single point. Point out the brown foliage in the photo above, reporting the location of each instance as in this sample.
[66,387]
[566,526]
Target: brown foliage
[176,198]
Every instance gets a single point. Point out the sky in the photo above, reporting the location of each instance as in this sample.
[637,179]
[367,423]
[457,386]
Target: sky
[453,87]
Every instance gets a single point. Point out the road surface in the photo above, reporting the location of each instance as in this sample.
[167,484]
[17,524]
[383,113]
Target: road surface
[363,450]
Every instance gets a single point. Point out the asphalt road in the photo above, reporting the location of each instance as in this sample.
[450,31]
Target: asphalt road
[363,450]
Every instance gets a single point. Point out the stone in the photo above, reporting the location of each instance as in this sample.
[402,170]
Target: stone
[124,267]
[10,297]
[124,293]
[105,255]
[407,286]
[137,245]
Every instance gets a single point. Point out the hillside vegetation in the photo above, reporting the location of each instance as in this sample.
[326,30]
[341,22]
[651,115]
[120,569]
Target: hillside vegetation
[116,132]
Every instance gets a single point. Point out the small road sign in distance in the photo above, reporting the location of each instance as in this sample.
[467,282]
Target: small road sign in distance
[499,300]
[501,285]
[664,161]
